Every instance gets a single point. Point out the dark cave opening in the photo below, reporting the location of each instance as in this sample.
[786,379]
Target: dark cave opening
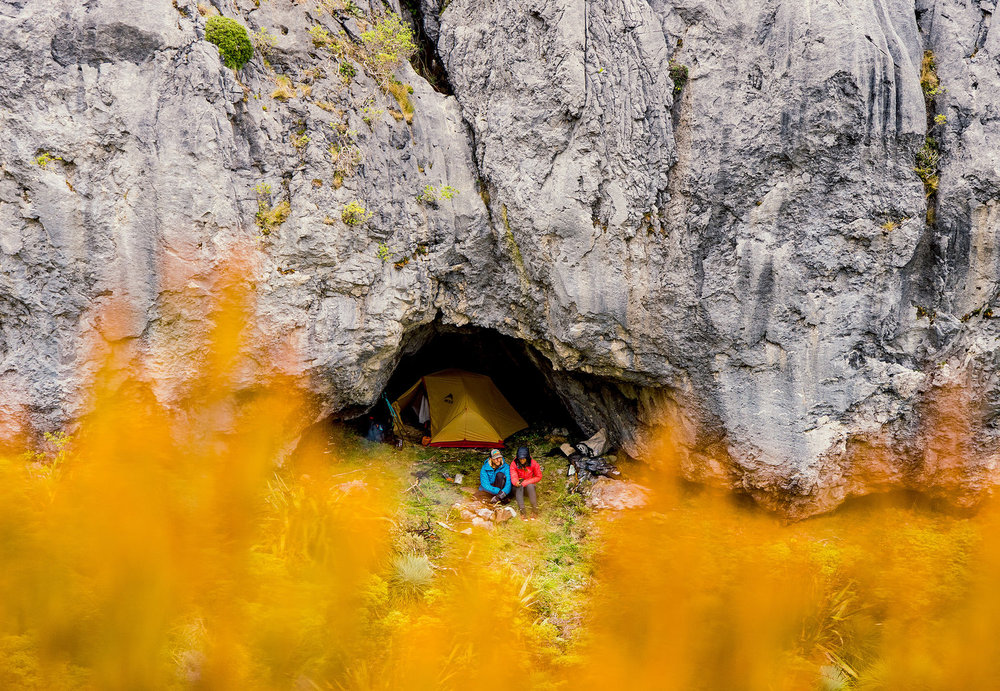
[426,60]
[513,365]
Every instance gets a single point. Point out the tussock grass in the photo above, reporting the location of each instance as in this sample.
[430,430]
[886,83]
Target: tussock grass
[401,92]
[411,574]
[283,89]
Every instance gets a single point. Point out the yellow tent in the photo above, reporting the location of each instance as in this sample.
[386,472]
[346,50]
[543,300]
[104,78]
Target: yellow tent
[466,409]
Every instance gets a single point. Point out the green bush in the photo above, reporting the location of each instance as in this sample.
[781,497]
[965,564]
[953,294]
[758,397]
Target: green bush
[388,43]
[355,213]
[232,40]
[347,71]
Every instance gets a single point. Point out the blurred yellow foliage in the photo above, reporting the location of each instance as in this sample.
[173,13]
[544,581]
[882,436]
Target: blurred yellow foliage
[165,547]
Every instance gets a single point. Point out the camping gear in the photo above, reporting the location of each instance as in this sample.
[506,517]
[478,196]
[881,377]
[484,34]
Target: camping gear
[587,459]
[392,411]
[594,446]
[466,409]
[586,469]
[376,433]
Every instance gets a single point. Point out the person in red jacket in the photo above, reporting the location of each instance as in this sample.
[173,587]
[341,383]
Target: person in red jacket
[524,474]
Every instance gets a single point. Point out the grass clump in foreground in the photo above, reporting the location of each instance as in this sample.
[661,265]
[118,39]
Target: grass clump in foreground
[411,574]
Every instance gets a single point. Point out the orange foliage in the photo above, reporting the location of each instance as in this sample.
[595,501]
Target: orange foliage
[168,550]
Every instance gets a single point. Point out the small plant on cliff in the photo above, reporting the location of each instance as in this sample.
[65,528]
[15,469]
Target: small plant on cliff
[47,461]
[355,213]
[45,158]
[345,154]
[927,165]
[383,252]
[263,41]
[678,75]
[427,195]
[347,71]
[284,89]
[335,6]
[268,218]
[929,82]
[401,92]
[232,40]
[320,36]
[430,194]
[370,113]
[388,43]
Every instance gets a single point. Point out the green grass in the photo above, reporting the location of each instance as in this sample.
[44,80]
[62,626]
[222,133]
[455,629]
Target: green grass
[549,561]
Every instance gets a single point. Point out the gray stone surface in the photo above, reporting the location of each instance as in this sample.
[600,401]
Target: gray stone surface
[746,259]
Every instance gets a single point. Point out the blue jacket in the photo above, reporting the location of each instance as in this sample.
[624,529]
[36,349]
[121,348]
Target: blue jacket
[488,474]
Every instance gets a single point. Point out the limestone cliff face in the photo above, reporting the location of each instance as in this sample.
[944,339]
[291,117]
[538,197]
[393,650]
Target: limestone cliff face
[747,255]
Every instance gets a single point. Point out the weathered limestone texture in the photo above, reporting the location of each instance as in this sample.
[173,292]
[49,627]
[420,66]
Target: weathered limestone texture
[746,255]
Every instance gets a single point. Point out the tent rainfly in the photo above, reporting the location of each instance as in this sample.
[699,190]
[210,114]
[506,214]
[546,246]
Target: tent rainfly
[465,409]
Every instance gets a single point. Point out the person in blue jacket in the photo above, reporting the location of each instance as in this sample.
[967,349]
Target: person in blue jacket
[494,479]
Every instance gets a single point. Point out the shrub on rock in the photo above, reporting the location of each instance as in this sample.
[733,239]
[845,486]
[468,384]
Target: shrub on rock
[232,40]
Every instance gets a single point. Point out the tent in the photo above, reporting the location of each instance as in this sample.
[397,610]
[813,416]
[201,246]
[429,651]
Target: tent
[464,409]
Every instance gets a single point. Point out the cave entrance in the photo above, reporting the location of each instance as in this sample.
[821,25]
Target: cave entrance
[516,369]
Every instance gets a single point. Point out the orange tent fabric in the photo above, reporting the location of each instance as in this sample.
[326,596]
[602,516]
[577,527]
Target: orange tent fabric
[466,409]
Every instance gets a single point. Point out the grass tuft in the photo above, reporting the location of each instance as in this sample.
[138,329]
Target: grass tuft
[411,574]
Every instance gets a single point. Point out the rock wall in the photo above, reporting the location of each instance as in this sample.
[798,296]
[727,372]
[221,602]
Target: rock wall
[701,214]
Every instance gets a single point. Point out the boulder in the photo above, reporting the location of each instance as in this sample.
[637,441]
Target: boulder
[617,495]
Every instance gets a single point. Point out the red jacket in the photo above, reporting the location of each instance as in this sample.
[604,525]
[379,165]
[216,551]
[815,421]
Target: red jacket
[528,475]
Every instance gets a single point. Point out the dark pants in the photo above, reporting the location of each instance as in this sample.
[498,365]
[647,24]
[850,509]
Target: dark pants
[519,495]
[499,482]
